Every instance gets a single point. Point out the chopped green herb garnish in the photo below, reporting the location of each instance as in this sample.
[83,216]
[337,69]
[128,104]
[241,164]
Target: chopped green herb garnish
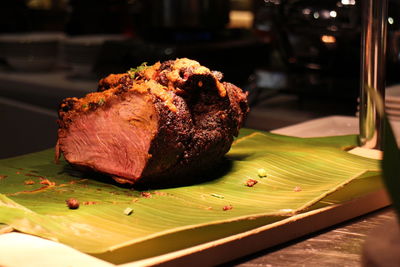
[84,106]
[101,101]
[128,211]
[132,72]
[217,196]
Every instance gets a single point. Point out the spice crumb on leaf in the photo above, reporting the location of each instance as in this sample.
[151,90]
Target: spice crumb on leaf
[227,207]
[29,182]
[146,194]
[89,202]
[47,182]
[72,203]
[297,189]
[251,182]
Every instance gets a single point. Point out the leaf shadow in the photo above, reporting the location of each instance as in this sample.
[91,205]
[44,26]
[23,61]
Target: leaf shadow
[211,174]
[217,171]
[239,156]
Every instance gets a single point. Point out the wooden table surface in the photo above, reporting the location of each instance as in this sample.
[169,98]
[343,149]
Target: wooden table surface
[341,245]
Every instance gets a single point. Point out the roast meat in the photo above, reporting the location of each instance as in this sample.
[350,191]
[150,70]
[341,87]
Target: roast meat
[154,124]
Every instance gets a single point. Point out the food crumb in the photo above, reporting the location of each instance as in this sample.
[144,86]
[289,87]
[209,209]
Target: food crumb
[3,176]
[146,194]
[29,182]
[251,182]
[297,189]
[217,196]
[47,182]
[128,211]
[227,207]
[89,202]
[262,172]
[72,203]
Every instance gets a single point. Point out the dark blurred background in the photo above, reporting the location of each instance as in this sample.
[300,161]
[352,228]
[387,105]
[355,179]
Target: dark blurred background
[298,59]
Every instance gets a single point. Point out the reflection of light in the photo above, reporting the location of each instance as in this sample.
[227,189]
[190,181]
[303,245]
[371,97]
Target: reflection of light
[275,2]
[390,20]
[333,14]
[316,15]
[328,39]
[333,28]
[306,11]
[325,14]
[348,2]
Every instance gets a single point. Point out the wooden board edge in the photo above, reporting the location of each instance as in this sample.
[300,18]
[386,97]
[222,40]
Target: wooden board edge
[239,245]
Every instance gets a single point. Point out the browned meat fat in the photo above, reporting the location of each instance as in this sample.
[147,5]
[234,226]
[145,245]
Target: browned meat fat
[153,125]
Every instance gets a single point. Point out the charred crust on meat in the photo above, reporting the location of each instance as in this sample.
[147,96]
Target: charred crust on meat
[67,104]
[113,80]
[180,115]
[166,65]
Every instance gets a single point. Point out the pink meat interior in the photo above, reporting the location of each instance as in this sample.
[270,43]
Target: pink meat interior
[113,140]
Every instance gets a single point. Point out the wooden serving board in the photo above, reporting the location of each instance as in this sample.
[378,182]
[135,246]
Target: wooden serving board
[236,246]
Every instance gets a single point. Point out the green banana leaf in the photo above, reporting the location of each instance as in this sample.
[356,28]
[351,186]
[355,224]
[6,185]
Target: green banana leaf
[120,224]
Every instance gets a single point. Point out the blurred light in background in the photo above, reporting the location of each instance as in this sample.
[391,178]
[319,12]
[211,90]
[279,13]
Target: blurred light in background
[348,2]
[328,39]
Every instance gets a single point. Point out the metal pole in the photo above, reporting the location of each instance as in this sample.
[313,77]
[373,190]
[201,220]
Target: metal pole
[373,59]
